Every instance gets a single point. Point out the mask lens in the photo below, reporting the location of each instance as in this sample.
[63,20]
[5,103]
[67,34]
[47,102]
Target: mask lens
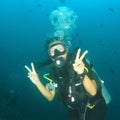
[58,47]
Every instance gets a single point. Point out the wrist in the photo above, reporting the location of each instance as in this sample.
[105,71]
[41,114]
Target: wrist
[82,75]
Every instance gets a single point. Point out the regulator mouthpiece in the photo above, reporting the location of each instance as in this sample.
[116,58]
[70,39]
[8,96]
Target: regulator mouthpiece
[59,62]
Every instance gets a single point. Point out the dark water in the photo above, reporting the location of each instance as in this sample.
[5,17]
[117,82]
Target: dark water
[24,25]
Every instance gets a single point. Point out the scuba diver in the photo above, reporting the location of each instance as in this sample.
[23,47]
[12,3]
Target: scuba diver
[72,75]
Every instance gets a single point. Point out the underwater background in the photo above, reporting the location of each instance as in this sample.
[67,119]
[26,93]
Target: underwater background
[24,26]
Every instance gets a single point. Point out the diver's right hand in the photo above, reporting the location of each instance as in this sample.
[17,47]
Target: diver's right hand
[32,74]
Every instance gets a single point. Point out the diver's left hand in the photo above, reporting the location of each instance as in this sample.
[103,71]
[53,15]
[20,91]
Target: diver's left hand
[78,65]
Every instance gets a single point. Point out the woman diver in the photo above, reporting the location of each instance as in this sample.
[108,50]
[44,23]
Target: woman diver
[72,76]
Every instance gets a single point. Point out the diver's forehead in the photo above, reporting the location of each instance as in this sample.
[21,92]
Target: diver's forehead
[55,43]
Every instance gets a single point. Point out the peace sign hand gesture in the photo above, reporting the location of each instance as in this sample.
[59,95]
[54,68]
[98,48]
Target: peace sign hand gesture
[78,65]
[32,74]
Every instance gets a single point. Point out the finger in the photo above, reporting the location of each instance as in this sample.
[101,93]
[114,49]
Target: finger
[77,55]
[28,68]
[83,55]
[33,68]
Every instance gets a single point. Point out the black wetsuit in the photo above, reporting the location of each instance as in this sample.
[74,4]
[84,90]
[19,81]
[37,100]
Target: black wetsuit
[66,78]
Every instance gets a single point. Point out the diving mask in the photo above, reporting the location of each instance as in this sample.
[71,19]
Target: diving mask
[56,50]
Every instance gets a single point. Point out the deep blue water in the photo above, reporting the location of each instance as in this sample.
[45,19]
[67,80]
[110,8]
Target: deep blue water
[24,25]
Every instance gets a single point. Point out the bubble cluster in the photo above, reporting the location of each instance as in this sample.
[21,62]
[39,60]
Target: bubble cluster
[63,21]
